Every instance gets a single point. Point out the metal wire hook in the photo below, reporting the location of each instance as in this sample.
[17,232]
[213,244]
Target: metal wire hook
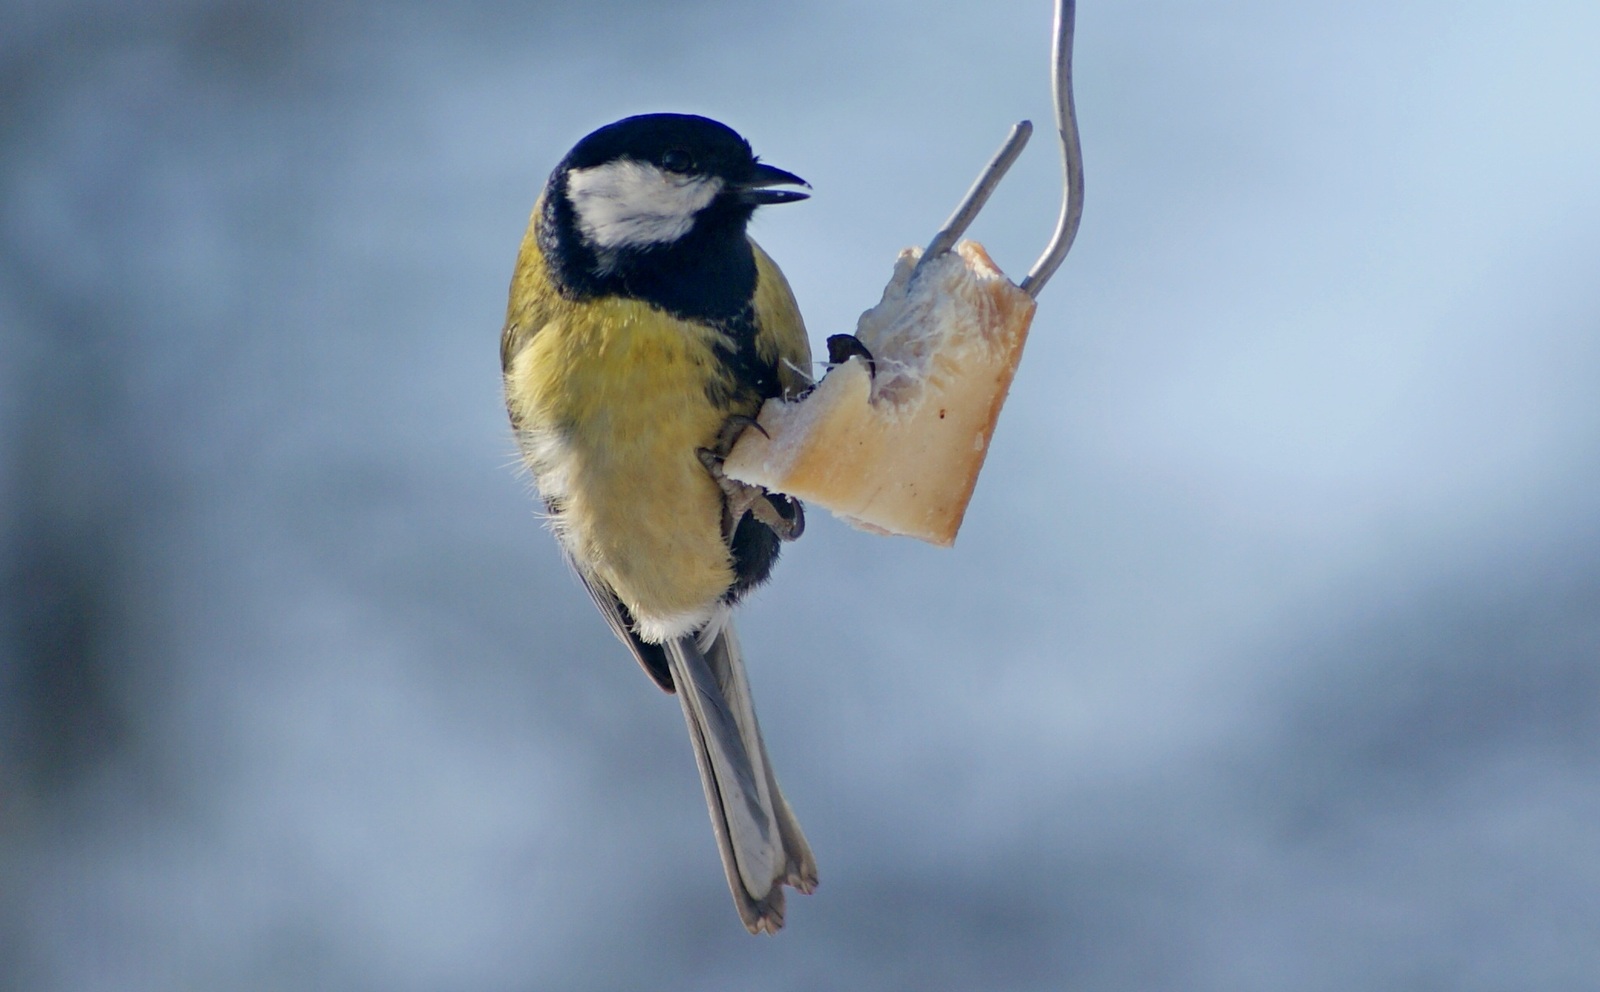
[1071,161]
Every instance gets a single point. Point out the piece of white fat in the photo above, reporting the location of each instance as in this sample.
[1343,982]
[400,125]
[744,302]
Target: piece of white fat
[899,451]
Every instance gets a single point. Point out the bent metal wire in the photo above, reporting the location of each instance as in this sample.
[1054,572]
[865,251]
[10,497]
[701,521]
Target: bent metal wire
[1071,168]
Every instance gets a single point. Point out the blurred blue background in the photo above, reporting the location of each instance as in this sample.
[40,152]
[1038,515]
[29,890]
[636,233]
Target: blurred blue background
[1269,656]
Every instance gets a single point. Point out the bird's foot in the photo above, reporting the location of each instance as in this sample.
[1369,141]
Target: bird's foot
[843,347]
[732,428]
[783,515]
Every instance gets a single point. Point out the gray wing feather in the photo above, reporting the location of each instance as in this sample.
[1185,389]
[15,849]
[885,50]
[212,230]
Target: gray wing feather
[651,657]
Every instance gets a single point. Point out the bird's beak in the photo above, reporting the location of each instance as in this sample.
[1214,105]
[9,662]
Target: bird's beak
[756,192]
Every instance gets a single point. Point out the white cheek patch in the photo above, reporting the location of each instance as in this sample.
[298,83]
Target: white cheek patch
[626,203]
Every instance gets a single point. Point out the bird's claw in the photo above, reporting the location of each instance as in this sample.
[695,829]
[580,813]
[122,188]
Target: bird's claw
[739,498]
[728,436]
[843,347]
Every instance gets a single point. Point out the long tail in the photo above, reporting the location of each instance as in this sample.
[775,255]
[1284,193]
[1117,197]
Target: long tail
[761,843]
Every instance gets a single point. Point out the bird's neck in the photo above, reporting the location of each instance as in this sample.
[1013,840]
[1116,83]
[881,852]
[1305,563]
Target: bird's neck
[708,274]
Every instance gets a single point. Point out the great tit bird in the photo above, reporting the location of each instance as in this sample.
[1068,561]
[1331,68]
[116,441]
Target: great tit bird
[645,329]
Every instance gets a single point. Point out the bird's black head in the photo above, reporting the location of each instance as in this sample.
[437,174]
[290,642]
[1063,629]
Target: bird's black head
[655,207]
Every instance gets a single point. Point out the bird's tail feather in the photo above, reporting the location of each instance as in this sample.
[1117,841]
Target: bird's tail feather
[761,843]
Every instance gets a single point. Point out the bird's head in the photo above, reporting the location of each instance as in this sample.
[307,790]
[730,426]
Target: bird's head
[647,184]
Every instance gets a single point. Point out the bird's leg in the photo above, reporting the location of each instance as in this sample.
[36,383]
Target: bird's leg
[739,498]
[842,348]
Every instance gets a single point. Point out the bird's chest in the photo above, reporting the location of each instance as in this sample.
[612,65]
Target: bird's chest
[638,391]
[612,414]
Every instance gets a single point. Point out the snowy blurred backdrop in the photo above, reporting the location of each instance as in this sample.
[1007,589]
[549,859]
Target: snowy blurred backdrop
[1269,657]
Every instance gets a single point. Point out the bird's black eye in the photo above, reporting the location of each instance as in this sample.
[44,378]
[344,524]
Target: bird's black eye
[678,160]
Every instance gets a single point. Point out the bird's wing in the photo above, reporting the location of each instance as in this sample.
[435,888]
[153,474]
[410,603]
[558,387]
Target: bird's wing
[651,657]
[781,332]
[532,296]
